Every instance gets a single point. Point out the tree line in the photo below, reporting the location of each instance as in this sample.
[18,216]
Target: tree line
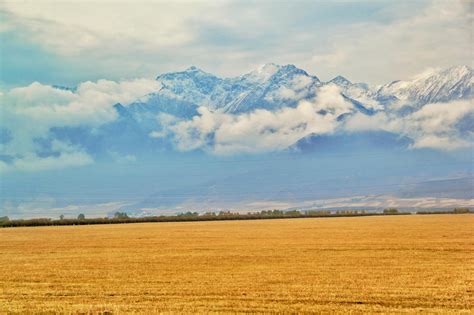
[123,217]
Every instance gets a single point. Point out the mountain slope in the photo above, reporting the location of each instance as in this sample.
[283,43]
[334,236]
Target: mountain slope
[268,87]
[360,94]
[439,86]
[274,86]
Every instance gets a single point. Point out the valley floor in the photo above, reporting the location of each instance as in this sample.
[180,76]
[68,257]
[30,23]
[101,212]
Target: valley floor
[362,264]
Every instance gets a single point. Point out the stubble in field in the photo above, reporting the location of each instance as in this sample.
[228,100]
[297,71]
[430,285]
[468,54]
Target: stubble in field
[365,264]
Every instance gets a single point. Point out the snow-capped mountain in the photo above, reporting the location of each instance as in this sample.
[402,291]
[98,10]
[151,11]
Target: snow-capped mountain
[141,124]
[274,86]
[432,87]
[269,87]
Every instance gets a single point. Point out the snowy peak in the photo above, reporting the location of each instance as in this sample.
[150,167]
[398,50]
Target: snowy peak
[262,73]
[433,86]
[192,72]
[193,69]
[341,81]
[270,87]
[345,83]
[458,71]
[269,71]
[273,86]
[191,85]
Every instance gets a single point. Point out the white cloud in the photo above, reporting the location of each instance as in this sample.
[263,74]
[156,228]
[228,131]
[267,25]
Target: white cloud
[74,28]
[362,122]
[296,89]
[433,126]
[35,163]
[260,130]
[440,117]
[144,38]
[438,36]
[440,142]
[283,93]
[30,112]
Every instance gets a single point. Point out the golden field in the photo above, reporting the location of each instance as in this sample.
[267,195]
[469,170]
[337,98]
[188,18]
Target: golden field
[386,264]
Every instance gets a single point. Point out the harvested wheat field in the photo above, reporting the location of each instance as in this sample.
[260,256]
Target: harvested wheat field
[363,264]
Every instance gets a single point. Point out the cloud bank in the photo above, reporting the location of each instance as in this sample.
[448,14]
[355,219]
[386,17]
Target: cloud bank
[260,130]
[388,39]
[28,114]
[435,126]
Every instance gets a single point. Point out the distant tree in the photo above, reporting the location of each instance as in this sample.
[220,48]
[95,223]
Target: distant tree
[461,210]
[120,215]
[188,214]
[293,213]
[81,217]
[61,217]
[4,219]
[390,211]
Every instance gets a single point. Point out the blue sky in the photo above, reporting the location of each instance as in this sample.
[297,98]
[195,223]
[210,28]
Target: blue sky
[68,42]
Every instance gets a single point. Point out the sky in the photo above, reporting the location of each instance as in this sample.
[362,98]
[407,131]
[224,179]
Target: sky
[67,42]
[75,74]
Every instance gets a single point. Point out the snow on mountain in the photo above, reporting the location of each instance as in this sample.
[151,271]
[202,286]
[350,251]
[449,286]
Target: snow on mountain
[144,124]
[439,86]
[270,87]
[263,73]
[359,92]
[273,87]
[191,85]
[341,81]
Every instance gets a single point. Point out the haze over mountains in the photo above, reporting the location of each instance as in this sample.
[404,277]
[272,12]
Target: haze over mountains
[193,109]
[275,137]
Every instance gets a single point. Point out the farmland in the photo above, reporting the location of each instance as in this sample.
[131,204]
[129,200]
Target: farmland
[361,264]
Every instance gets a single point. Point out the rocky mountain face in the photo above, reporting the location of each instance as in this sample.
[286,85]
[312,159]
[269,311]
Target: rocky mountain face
[273,87]
[269,87]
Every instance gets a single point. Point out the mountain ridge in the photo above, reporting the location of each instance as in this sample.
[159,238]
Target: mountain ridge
[273,86]
[150,121]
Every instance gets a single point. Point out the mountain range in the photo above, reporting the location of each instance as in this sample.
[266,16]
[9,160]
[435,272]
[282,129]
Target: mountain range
[272,88]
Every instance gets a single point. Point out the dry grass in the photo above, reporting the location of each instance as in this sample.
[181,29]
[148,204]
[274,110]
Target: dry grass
[366,264]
